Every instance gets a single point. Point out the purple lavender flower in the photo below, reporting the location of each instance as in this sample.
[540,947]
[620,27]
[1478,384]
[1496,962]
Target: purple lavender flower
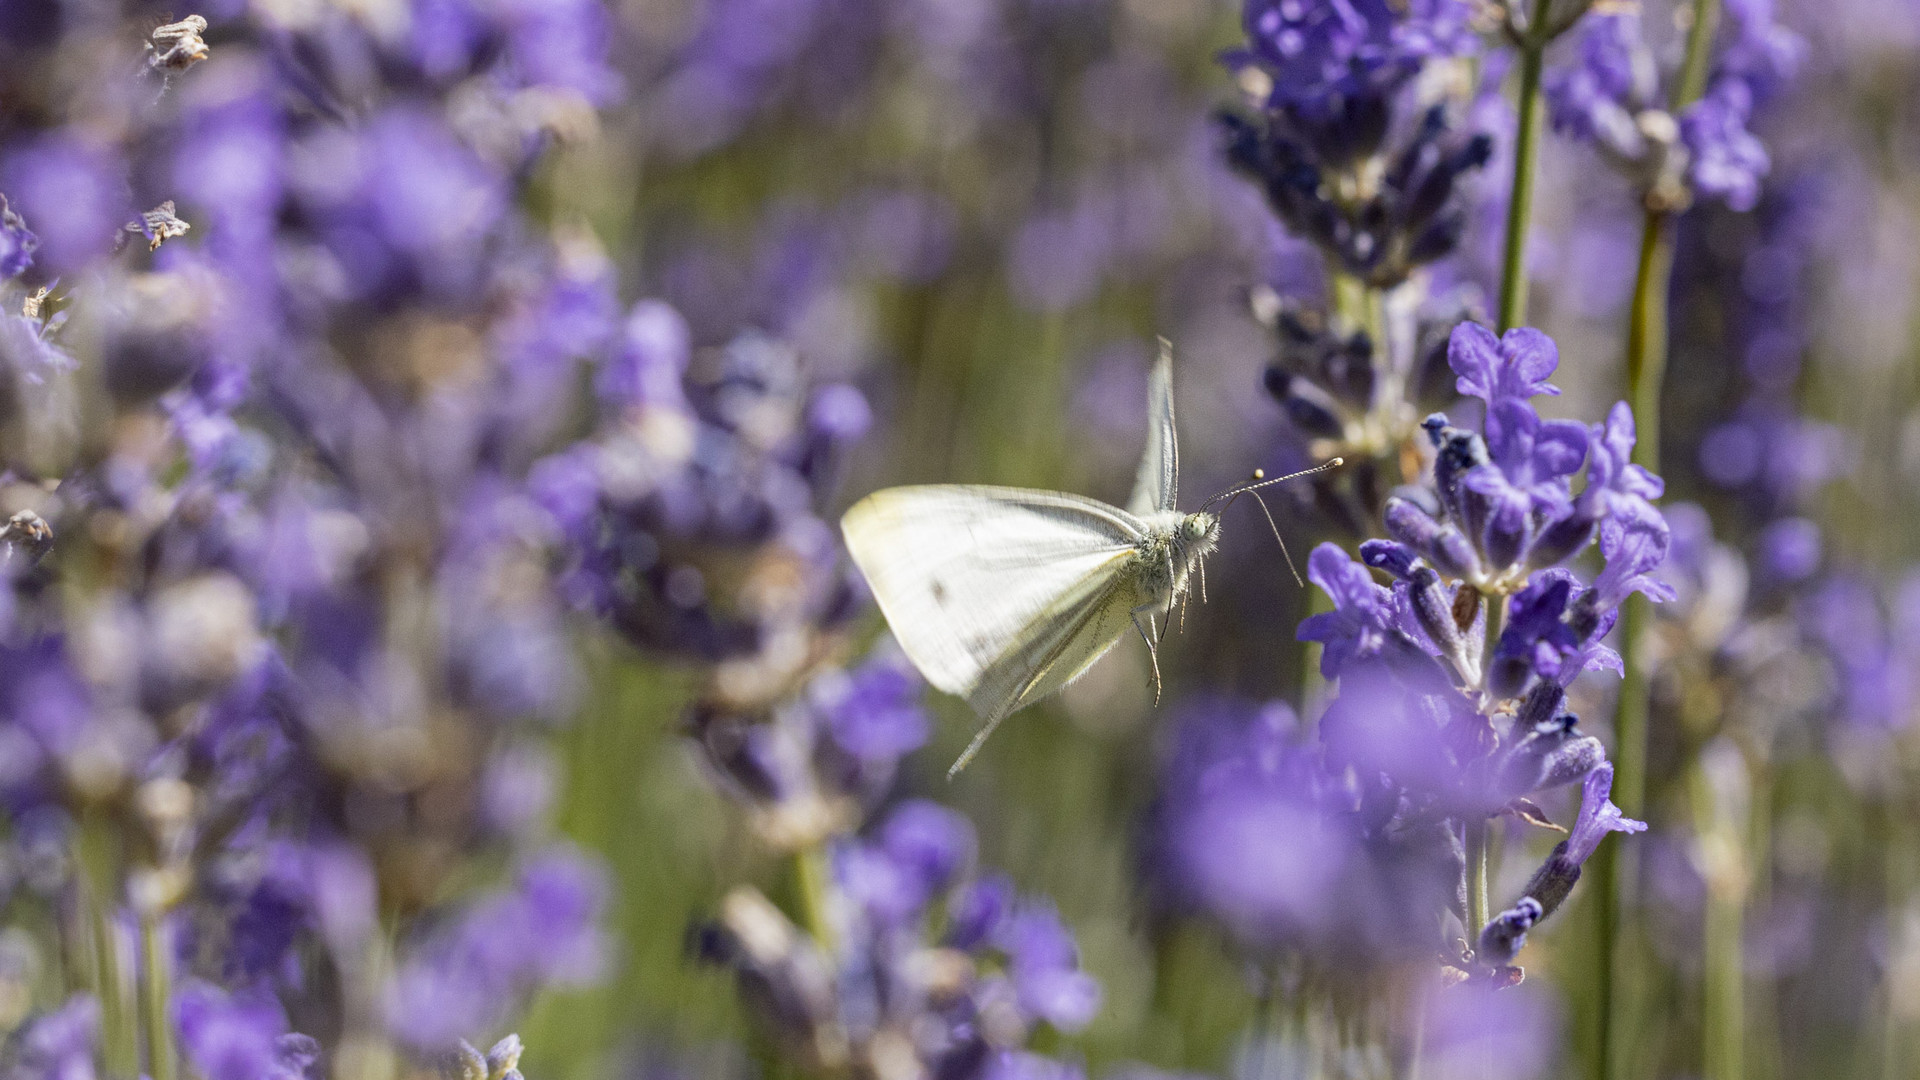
[1516,366]
[1323,80]
[1315,52]
[1759,51]
[1505,499]
[541,932]
[1598,816]
[1610,97]
[874,712]
[1045,965]
[74,192]
[882,989]
[1612,80]
[1727,161]
[1503,938]
[17,243]
[1356,887]
[1356,628]
[61,1045]
[239,1037]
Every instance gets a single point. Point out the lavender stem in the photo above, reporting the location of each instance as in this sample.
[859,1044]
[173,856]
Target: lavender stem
[1526,152]
[1646,373]
[810,881]
[155,1004]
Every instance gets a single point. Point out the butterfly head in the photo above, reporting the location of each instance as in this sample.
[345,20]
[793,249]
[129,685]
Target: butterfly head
[1198,528]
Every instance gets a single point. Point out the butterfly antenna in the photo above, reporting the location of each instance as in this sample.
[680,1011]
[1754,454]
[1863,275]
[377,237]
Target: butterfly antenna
[1260,482]
[1276,535]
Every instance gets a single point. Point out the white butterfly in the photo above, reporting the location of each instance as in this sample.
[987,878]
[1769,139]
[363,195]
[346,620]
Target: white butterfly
[1004,595]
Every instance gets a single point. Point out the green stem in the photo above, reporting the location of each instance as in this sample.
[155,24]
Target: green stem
[810,882]
[1613,869]
[1477,914]
[1723,1005]
[1646,374]
[1526,152]
[155,981]
[1647,337]
[1694,69]
[98,864]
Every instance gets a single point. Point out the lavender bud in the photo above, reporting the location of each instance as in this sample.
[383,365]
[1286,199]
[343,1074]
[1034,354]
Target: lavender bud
[1348,371]
[1504,537]
[1395,558]
[1572,759]
[1435,614]
[1561,540]
[1503,938]
[1459,452]
[1442,545]
[1555,879]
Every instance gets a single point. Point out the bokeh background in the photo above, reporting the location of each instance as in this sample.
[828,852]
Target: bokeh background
[937,239]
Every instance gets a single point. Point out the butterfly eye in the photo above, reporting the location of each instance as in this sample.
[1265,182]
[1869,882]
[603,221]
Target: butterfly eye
[1195,527]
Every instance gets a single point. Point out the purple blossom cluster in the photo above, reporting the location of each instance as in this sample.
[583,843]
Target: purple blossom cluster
[1362,138]
[919,964]
[1324,56]
[279,640]
[1614,97]
[1451,699]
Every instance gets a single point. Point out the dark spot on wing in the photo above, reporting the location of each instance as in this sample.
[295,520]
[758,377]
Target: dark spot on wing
[939,594]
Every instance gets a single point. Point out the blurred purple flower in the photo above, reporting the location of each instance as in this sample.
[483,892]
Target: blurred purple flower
[1314,52]
[874,711]
[60,1045]
[1612,78]
[541,932]
[652,359]
[1727,161]
[1045,965]
[1789,550]
[1476,1034]
[17,243]
[239,1037]
[75,193]
[1350,885]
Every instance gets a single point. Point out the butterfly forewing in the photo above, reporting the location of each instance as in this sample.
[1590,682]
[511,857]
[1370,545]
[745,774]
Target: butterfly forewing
[1158,481]
[991,590]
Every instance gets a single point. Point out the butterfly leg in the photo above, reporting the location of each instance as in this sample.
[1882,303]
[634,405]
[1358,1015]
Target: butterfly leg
[1153,653]
[1172,591]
